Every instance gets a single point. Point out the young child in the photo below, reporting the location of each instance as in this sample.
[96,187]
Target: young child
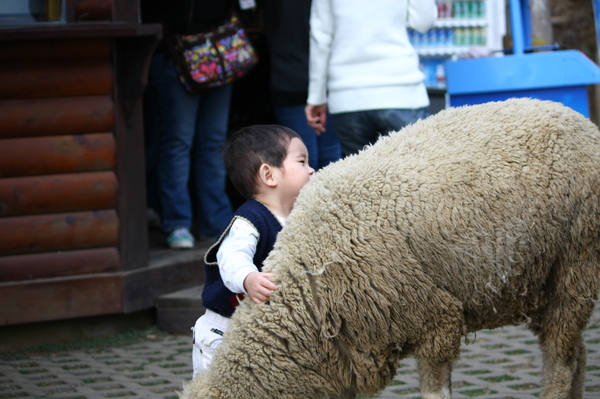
[268,165]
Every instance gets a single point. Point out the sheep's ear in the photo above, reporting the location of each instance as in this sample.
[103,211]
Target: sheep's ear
[266,175]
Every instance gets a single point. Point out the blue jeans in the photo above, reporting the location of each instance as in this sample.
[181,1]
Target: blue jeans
[322,149]
[357,129]
[195,130]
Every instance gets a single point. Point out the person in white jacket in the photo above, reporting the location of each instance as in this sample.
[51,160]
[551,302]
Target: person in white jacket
[363,69]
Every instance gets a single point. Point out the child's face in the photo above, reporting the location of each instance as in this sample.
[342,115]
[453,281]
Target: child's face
[295,172]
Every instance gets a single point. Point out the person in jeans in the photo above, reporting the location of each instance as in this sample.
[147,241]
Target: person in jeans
[287,34]
[194,129]
[268,165]
[363,69]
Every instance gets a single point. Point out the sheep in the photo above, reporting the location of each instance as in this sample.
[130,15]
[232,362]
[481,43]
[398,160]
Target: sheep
[475,218]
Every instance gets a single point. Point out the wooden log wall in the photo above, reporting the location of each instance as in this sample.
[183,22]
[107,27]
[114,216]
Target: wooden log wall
[58,159]
[73,229]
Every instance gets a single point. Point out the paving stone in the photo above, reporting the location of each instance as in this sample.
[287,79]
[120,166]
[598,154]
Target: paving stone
[503,363]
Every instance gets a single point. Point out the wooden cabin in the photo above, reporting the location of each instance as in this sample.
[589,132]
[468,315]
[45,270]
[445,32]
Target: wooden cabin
[73,228]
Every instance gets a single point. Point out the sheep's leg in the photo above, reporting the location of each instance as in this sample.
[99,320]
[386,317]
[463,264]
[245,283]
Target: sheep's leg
[435,379]
[578,384]
[439,346]
[564,366]
[559,327]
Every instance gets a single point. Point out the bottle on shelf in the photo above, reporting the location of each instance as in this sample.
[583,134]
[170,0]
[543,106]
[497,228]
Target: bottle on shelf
[459,9]
[461,24]
[440,77]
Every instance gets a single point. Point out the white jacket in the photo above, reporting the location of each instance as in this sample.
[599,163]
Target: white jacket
[361,57]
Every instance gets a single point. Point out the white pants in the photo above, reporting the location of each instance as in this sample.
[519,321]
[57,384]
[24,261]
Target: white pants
[208,335]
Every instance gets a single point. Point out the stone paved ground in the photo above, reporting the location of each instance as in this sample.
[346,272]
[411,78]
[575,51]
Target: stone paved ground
[503,363]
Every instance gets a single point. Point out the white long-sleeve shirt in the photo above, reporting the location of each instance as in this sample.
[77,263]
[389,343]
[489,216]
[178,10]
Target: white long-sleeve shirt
[236,254]
[361,57]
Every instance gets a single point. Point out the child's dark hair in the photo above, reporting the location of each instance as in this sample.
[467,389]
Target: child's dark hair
[249,147]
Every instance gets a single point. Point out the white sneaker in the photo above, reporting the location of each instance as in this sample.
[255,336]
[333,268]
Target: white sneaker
[180,238]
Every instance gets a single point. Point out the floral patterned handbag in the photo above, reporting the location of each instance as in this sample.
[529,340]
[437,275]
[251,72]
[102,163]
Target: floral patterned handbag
[214,58]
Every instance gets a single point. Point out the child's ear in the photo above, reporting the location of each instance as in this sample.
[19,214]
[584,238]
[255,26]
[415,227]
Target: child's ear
[266,175]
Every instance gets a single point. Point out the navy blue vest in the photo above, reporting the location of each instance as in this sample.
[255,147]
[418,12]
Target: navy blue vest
[215,295]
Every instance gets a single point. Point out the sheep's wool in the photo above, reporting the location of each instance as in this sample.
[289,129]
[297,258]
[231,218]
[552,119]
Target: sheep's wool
[477,217]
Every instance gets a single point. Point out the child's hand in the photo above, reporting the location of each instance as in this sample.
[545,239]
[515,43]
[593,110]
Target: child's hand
[259,287]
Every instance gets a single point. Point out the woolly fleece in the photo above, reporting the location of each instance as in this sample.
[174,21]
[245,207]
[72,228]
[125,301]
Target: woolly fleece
[476,217]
